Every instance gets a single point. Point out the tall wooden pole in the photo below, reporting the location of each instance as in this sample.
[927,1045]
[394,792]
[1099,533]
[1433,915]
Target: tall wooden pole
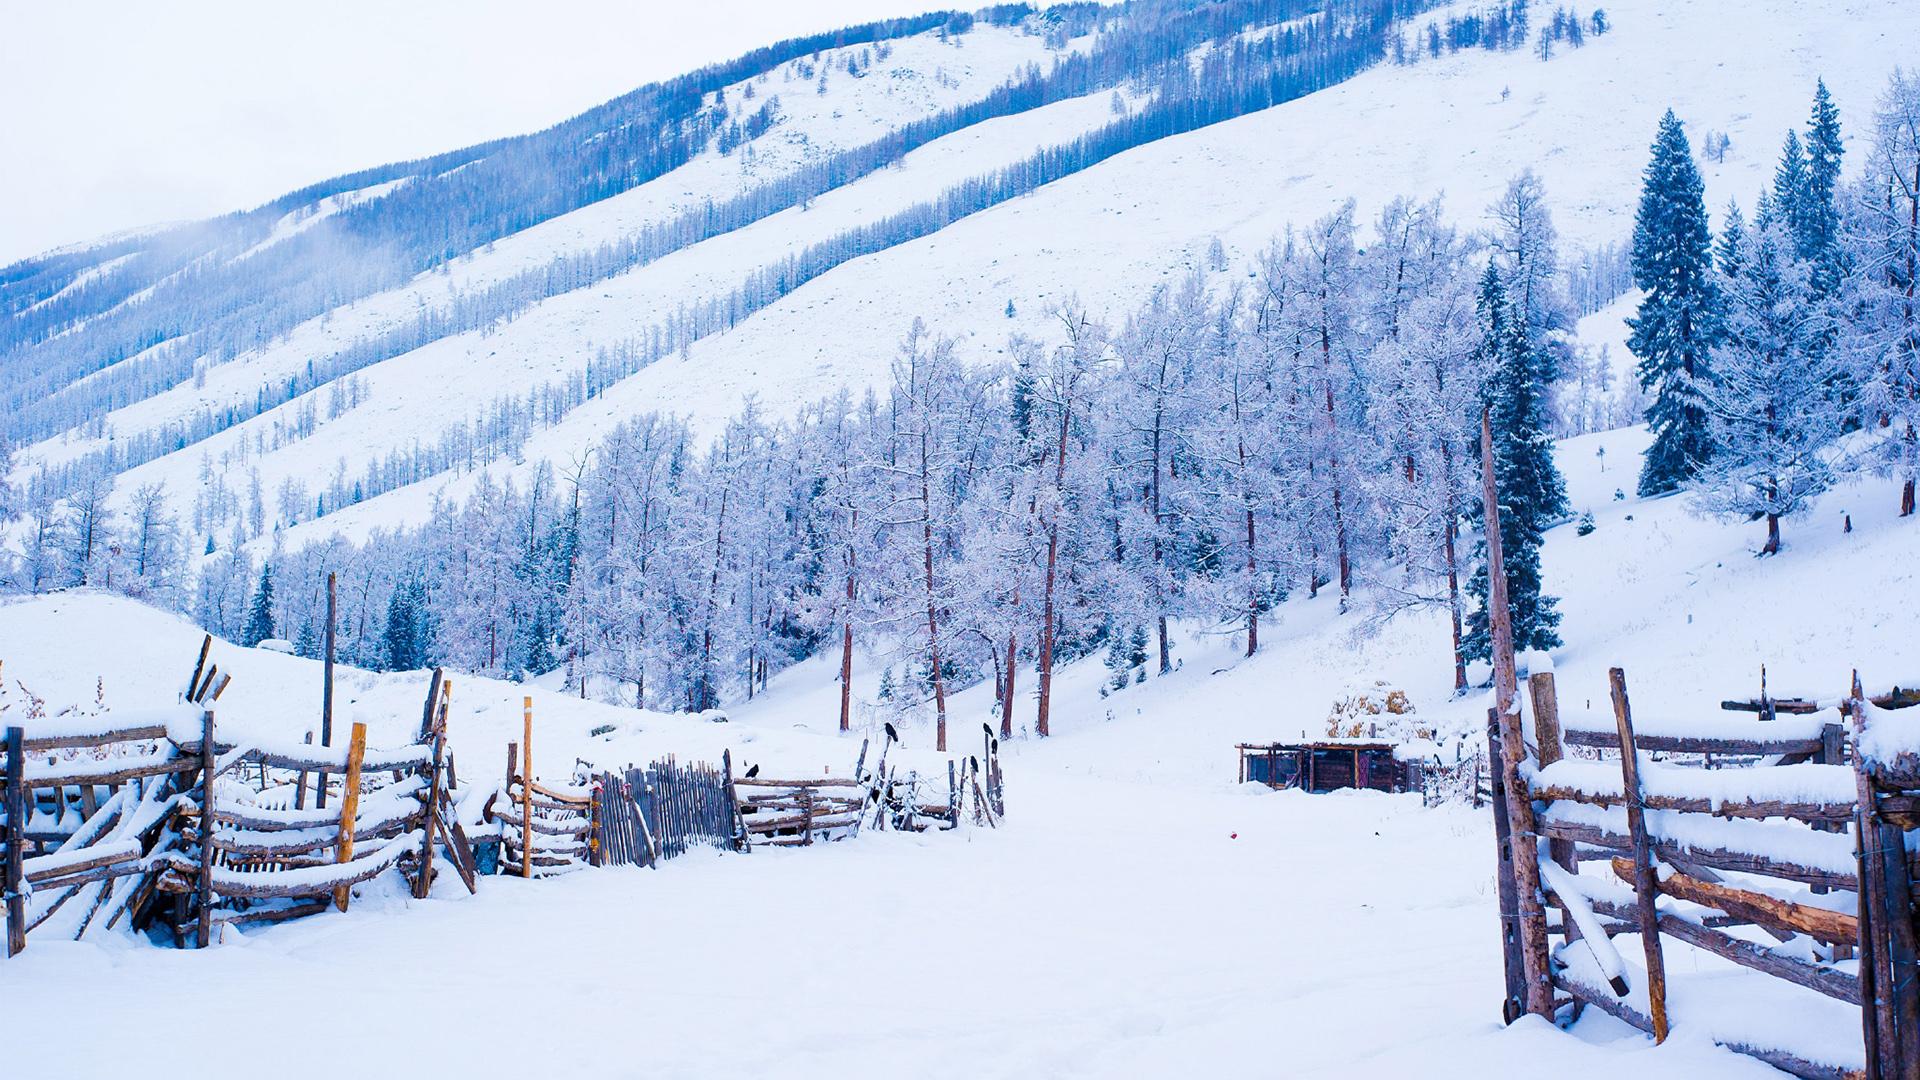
[1529,909]
[203,933]
[526,787]
[16,837]
[326,692]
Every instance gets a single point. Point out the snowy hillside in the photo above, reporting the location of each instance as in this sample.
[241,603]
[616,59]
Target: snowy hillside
[1459,126]
[1136,914]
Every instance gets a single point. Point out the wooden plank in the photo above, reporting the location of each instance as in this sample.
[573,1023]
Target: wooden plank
[350,807]
[203,933]
[1645,882]
[15,836]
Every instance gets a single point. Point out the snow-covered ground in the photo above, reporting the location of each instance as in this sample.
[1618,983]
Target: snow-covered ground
[1138,914]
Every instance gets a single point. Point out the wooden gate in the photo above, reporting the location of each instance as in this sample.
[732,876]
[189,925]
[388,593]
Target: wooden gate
[1734,840]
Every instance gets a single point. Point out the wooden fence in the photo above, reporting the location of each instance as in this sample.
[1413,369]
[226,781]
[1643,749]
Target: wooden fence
[162,819]
[1731,837]
[664,810]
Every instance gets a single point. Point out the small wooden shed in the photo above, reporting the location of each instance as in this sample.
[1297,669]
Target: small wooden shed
[1326,765]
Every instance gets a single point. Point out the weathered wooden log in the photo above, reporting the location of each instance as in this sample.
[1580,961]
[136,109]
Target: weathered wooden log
[298,882]
[1718,858]
[110,771]
[1689,744]
[1816,812]
[1769,912]
[1829,981]
[795,821]
[580,827]
[53,867]
[823,782]
[133,733]
[277,914]
[124,867]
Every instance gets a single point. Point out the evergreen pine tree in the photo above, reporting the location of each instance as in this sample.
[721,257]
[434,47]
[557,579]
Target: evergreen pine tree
[1532,494]
[260,614]
[1788,204]
[1679,317]
[1818,240]
[402,636]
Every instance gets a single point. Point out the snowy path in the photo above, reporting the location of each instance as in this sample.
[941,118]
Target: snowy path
[1114,929]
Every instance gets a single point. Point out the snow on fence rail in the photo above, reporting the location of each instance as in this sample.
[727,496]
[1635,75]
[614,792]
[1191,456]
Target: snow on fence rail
[150,817]
[179,825]
[1761,864]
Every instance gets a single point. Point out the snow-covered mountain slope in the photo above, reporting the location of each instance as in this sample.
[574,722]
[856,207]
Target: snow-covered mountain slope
[1136,915]
[1459,126]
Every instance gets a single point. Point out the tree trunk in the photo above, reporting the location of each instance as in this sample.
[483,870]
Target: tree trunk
[933,621]
[846,675]
[1013,669]
[1253,592]
[1053,561]
[1046,635]
[1773,535]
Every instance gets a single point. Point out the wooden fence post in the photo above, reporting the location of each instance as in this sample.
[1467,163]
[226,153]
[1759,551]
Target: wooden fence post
[203,934]
[526,787]
[1521,835]
[1514,1005]
[1646,885]
[16,837]
[326,692]
[437,726]
[1889,966]
[350,808]
[1546,733]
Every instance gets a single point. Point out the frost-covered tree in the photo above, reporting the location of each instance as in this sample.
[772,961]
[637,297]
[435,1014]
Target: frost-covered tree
[1881,231]
[1771,405]
[1679,317]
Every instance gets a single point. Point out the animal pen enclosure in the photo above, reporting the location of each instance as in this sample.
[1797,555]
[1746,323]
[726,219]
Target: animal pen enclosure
[176,822]
[1327,765]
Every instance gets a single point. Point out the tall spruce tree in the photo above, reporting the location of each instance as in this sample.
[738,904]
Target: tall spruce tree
[1532,493]
[1679,318]
[260,614]
[406,631]
[1819,239]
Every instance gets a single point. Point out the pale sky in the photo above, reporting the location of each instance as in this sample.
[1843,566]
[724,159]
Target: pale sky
[116,115]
